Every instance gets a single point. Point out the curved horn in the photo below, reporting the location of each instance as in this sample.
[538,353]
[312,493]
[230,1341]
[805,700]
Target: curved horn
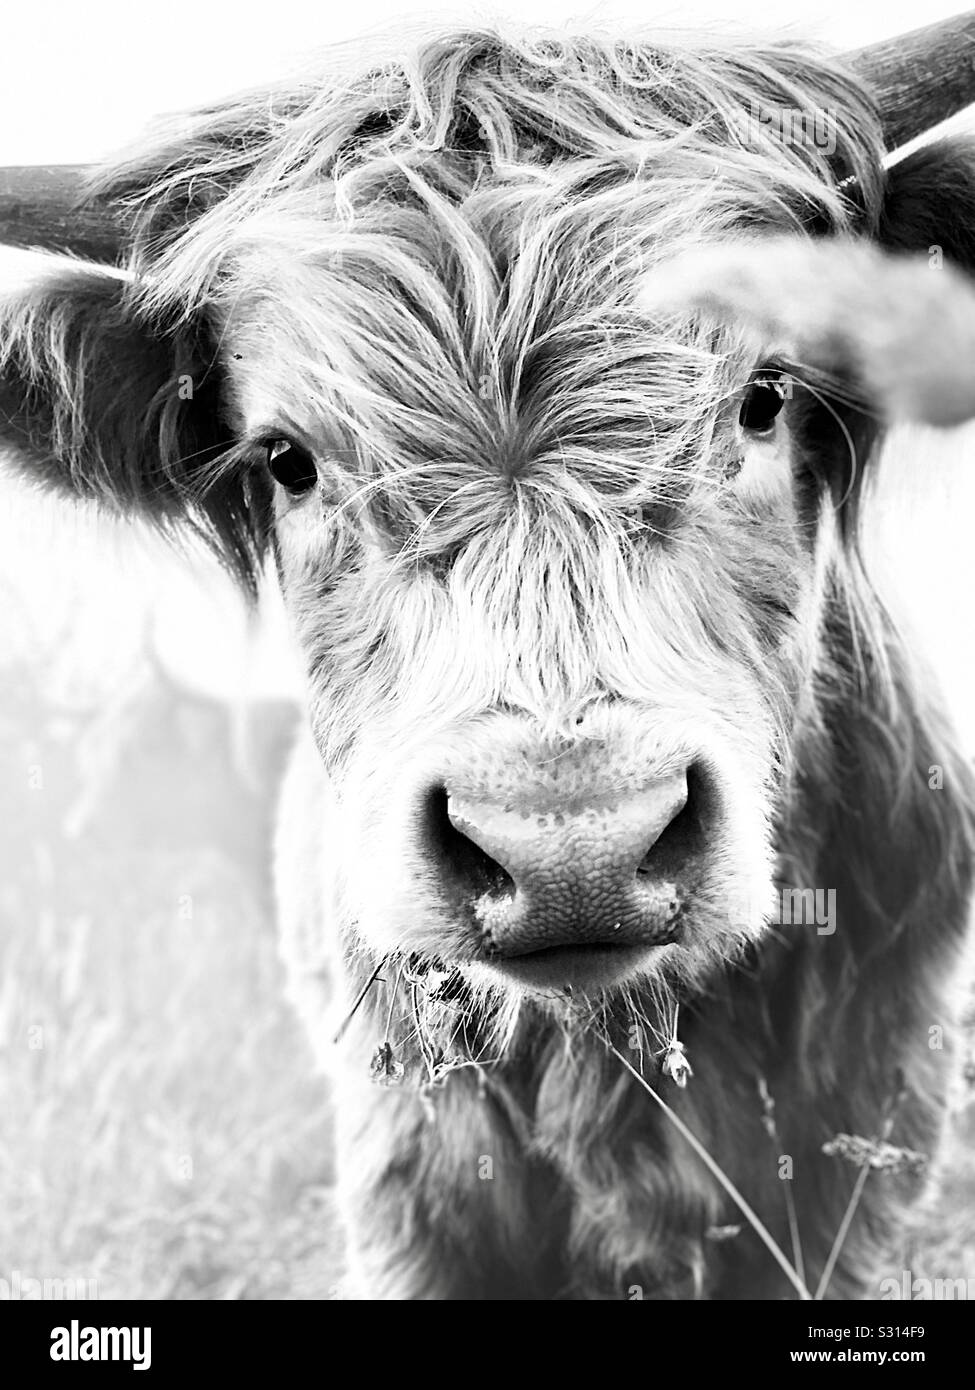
[46,207]
[920,78]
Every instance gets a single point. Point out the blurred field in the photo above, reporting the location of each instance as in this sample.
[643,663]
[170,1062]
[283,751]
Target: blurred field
[161,1131]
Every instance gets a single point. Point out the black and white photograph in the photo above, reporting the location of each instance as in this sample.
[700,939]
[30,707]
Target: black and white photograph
[487,664]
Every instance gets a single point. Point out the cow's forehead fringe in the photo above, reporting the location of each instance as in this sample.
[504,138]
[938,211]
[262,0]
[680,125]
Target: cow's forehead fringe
[474,107]
[437,228]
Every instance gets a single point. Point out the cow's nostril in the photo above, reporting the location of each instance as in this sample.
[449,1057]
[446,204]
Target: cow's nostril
[681,838]
[467,868]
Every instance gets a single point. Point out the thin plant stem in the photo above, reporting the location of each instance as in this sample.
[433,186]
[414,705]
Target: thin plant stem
[355,1007]
[848,1215]
[790,1208]
[772,1130]
[837,1245]
[751,1216]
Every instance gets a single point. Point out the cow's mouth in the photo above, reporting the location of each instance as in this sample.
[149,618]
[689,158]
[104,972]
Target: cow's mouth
[577,970]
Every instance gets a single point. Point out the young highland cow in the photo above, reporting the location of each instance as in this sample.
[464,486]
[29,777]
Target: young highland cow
[552,374]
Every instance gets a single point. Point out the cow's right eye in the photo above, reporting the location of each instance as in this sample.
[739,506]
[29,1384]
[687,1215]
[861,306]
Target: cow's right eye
[764,398]
[291,466]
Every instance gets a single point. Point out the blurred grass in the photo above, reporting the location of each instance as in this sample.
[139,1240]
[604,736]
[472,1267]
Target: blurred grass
[161,1131]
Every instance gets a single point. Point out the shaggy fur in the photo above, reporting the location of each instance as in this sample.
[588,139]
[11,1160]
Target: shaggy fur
[543,560]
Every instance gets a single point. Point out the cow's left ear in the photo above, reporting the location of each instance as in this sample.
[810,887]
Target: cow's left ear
[97,402]
[929,203]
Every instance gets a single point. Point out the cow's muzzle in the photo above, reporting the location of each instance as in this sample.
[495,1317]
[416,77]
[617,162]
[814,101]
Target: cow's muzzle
[555,887]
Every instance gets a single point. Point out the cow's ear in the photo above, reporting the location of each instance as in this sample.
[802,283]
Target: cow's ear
[929,203]
[98,403]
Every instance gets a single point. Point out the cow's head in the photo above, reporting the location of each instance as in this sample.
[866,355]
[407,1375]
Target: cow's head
[548,373]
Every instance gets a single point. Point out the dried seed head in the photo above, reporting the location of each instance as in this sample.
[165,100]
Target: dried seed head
[676,1065]
[876,1154]
[719,1233]
[384,1069]
[768,1109]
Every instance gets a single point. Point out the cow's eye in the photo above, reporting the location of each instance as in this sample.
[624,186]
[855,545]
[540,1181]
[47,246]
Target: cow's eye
[764,398]
[293,467]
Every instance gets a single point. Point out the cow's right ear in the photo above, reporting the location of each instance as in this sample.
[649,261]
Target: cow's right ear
[929,203]
[99,403]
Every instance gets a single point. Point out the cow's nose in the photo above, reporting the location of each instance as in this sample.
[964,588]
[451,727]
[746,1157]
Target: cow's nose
[592,873]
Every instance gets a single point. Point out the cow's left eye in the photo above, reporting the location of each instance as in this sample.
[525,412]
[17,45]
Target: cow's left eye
[293,467]
[764,398]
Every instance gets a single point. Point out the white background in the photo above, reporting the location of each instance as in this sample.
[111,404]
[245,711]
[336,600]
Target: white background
[79,78]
